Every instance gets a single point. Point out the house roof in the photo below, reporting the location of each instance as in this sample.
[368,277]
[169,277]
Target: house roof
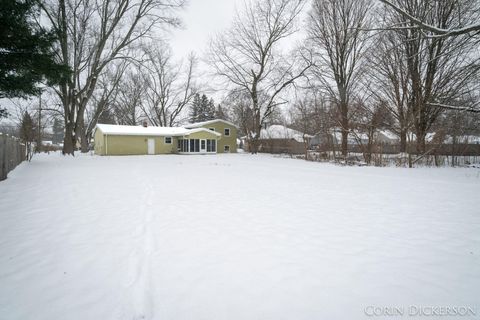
[113,129]
[204,123]
[190,131]
[277,131]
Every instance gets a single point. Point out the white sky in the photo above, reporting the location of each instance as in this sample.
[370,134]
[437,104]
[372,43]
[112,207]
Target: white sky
[201,20]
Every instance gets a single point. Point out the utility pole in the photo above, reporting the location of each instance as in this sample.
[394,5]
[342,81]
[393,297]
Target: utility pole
[39,134]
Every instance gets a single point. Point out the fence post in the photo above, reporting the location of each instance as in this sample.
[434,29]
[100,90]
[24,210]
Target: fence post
[10,154]
[3,157]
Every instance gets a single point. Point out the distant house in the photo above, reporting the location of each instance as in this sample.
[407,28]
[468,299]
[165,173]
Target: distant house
[355,138]
[213,137]
[281,139]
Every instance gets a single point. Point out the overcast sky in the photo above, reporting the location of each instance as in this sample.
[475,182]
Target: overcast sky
[201,20]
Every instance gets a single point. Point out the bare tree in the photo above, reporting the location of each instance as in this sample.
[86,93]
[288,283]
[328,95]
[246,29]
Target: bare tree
[249,59]
[441,71]
[388,82]
[303,116]
[238,103]
[129,98]
[339,42]
[108,86]
[460,27]
[91,35]
[170,86]
[369,117]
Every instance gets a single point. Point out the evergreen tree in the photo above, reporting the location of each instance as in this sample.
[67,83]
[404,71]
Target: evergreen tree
[195,108]
[26,55]
[28,133]
[211,110]
[58,131]
[220,114]
[202,109]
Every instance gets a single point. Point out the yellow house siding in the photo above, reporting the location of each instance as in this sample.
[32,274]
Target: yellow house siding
[99,143]
[135,145]
[125,145]
[202,135]
[114,144]
[223,140]
[161,147]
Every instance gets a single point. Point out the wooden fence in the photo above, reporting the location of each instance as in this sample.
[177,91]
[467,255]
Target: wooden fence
[12,153]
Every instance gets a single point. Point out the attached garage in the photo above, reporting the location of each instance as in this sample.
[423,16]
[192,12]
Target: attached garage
[140,140]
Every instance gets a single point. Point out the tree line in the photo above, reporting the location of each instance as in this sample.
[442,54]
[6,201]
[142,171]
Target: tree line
[408,66]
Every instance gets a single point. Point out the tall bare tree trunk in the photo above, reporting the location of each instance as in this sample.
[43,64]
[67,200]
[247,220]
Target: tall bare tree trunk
[344,130]
[84,139]
[69,139]
[403,141]
[420,147]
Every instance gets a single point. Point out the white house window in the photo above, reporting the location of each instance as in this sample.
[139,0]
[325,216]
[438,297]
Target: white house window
[168,140]
[211,129]
[226,132]
[226,149]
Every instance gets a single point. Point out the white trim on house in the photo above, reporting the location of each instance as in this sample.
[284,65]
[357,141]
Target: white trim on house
[112,129]
[204,123]
[200,150]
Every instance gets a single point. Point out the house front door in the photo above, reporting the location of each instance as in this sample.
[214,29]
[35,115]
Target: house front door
[151,146]
[203,145]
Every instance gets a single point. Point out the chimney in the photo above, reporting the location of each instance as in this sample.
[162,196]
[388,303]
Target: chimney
[145,124]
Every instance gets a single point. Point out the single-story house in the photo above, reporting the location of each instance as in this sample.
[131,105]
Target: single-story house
[210,138]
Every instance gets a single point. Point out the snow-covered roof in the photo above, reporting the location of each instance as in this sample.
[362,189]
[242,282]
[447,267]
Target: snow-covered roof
[389,134]
[470,139]
[149,131]
[277,131]
[204,123]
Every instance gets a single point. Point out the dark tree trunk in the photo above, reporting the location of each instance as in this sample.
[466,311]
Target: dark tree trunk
[421,142]
[84,143]
[403,141]
[344,142]
[344,120]
[84,138]
[68,140]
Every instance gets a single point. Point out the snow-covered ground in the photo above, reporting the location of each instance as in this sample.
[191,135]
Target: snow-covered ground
[233,237]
